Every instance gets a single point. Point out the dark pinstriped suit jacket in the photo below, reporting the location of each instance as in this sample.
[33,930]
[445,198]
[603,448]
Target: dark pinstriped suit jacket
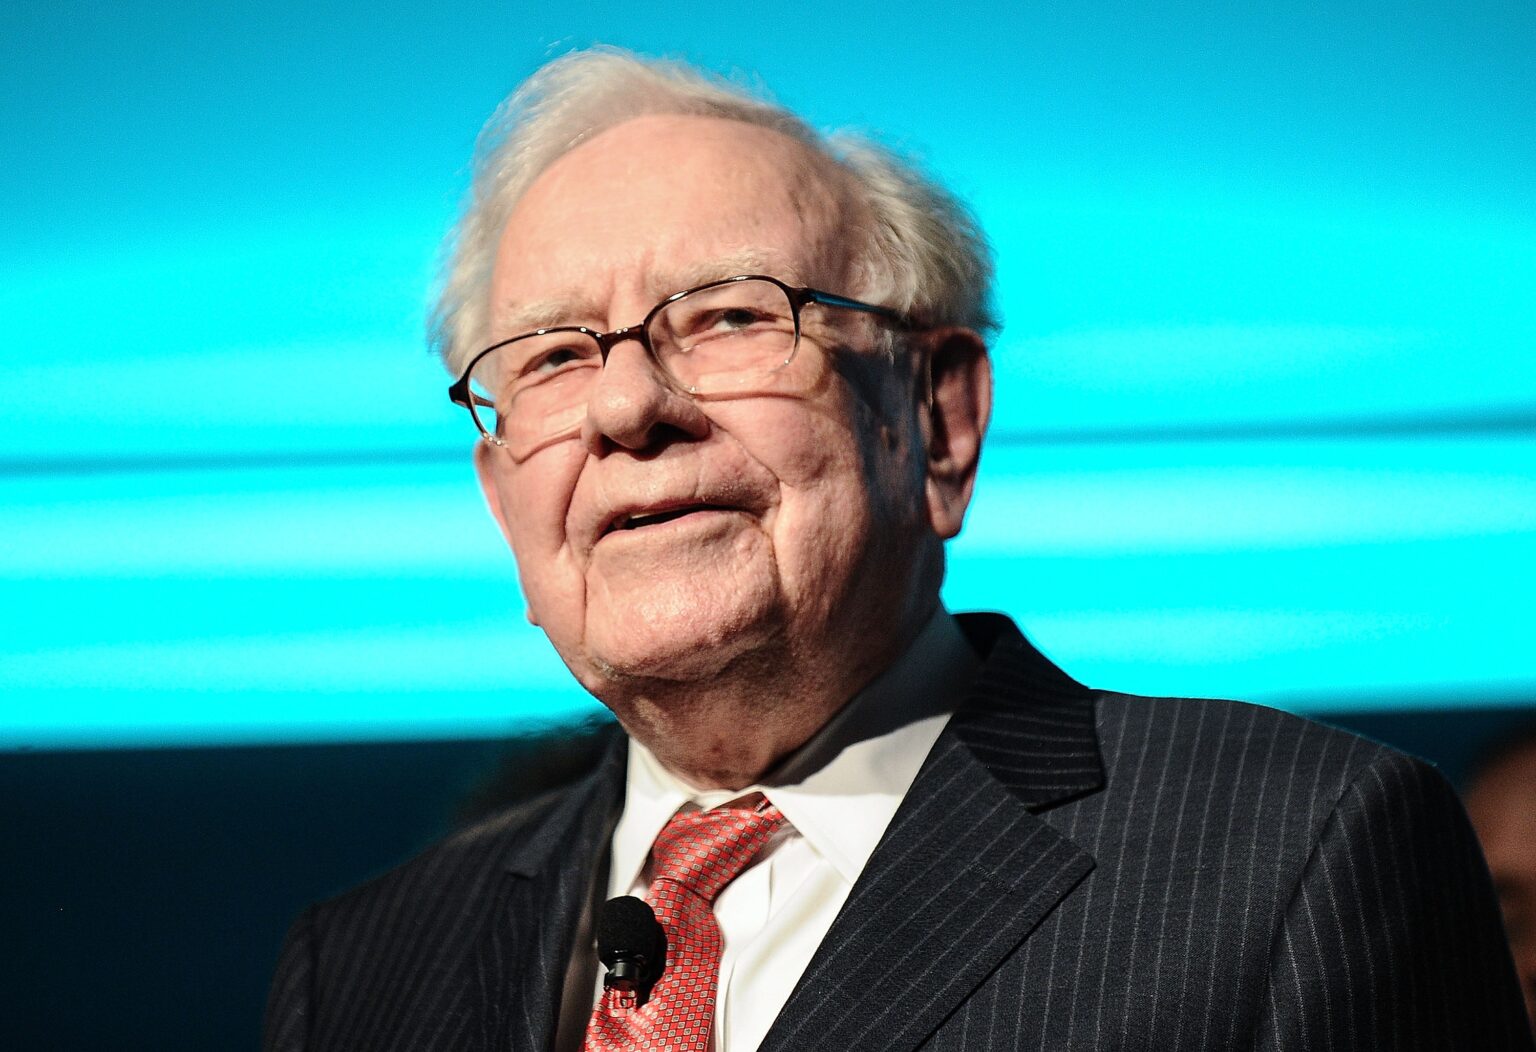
[1071,870]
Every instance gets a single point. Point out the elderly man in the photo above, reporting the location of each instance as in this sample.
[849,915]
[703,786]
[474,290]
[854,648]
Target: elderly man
[731,383]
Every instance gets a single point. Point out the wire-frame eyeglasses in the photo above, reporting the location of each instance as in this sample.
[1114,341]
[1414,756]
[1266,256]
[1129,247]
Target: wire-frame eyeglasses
[725,337]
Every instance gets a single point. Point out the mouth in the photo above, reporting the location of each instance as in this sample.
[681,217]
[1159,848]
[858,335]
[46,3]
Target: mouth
[643,518]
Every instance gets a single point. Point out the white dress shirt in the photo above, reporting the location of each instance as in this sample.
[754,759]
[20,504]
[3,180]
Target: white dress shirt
[838,793]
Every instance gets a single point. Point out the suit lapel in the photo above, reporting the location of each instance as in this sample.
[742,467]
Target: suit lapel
[546,885]
[966,869]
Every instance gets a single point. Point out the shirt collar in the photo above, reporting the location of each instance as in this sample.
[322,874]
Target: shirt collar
[842,787]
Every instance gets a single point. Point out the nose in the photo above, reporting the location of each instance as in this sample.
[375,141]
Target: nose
[634,406]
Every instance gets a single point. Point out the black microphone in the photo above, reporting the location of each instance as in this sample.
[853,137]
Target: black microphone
[631,944]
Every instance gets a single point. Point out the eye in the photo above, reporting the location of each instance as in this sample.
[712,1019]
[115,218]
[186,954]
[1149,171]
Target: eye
[552,360]
[726,321]
[722,316]
[737,318]
[551,354]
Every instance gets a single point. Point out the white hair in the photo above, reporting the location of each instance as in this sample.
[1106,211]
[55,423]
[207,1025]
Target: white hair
[919,250]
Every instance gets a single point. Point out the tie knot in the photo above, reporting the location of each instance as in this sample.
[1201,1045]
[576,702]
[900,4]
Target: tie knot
[705,850]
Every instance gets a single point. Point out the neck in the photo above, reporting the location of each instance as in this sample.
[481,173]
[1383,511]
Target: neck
[707,747]
[731,731]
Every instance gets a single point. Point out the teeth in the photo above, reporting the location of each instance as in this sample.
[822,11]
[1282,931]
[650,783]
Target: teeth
[635,521]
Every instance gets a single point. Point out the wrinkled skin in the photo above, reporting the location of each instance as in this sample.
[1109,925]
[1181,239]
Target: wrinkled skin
[810,552]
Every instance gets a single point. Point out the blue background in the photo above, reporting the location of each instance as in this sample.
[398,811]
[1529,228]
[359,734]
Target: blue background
[1267,402]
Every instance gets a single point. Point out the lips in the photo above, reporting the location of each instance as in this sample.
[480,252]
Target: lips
[628,499]
[639,518]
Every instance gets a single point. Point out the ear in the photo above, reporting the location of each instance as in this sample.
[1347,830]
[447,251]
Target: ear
[960,404]
[490,463]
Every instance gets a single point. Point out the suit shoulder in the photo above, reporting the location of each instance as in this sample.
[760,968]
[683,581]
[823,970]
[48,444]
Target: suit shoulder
[518,834]
[451,871]
[398,954]
[1243,748]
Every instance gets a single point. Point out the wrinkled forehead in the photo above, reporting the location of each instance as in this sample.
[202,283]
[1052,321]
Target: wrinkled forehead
[659,203]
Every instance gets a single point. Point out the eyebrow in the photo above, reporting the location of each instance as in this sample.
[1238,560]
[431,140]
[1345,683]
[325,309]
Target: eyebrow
[566,307]
[713,270]
[546,313]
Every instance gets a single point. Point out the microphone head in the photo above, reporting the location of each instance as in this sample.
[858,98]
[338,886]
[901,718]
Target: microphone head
[630,940]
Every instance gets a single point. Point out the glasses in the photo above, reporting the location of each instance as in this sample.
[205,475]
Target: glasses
[729,337]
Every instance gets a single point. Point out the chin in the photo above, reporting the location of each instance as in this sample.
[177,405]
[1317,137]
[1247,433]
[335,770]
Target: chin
[679,634]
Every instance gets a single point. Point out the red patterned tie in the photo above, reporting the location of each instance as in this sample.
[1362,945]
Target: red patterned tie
[694,857]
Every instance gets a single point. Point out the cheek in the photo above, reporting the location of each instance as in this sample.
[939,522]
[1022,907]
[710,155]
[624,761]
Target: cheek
[535,498]
[848,464]
[824,518]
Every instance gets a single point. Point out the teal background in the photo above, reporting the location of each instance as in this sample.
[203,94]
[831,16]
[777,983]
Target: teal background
[1267,403]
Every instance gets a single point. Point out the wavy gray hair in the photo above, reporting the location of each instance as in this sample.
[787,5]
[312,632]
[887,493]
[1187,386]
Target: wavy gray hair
[920,251]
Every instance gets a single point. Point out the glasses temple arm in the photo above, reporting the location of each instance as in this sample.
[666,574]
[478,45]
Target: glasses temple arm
[829,300]
[460,394]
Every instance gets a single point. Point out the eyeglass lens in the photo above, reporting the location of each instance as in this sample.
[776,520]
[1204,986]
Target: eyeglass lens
[729,338]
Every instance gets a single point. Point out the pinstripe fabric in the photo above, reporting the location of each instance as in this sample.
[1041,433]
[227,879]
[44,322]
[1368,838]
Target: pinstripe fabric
[465,947]
[1071,870]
